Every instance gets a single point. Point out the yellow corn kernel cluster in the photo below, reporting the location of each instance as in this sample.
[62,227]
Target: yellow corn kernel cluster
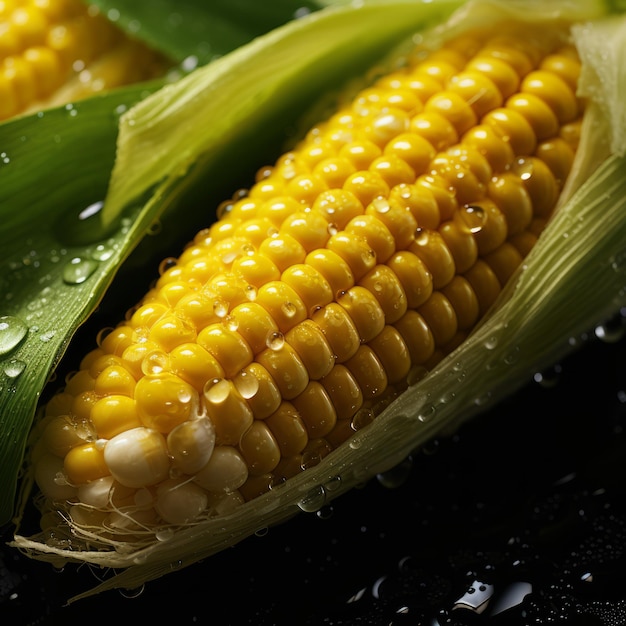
[349,269]
[54,51]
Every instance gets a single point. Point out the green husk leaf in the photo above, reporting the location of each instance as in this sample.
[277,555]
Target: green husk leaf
[197,30]
[574,278]
[41,199]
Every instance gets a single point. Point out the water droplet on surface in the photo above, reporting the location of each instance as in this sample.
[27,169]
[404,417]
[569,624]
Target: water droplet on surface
[78,270]
[427,413]
[314,500]
[548,378]
[132,593]
[14,368]
[491,343]
[12,332]
[611,331]
[165,534]
[102,252]
[45,337]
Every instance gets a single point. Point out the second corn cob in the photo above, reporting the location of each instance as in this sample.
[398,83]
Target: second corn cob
[56,51]
[346,272]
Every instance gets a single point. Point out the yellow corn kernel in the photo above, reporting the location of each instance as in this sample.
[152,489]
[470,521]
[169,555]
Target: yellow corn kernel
[431,249]
[285,367]
[259,448]
[316,409]
[311,287]
[84,463]
[338,207]
[383,283]
[368,372]
[333,268]
[350,268]
[114,414]
[308,340]
[308,228]
[282,250]
[343,390]
[255,269]
[440,316]
[61,434]
[115,379]
[514,128]
[230,413]
[227,346]
[400,223]
[354,250]
[282,303]
[461,296]
[193,364]
[164,401]
[392,353]
[288,429]
[339,330]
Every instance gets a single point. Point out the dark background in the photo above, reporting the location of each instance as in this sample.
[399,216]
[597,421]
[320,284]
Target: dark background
[525,506]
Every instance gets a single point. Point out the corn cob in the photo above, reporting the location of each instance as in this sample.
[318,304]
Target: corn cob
[55,51]
[350,268]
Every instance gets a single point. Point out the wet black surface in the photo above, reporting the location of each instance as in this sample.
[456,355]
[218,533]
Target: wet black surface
[519,519]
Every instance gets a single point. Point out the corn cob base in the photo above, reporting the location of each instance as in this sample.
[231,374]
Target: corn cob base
[352,267]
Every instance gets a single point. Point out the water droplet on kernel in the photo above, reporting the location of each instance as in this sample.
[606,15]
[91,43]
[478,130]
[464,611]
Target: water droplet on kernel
[247,385]
[220,308]
[217,390]
[154,363]
[12,332]
[251,293]
[289,309]
[275,340]
[381,205]
[474,217]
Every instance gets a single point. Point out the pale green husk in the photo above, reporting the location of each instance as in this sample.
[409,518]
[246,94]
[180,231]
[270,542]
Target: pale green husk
[574,278]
